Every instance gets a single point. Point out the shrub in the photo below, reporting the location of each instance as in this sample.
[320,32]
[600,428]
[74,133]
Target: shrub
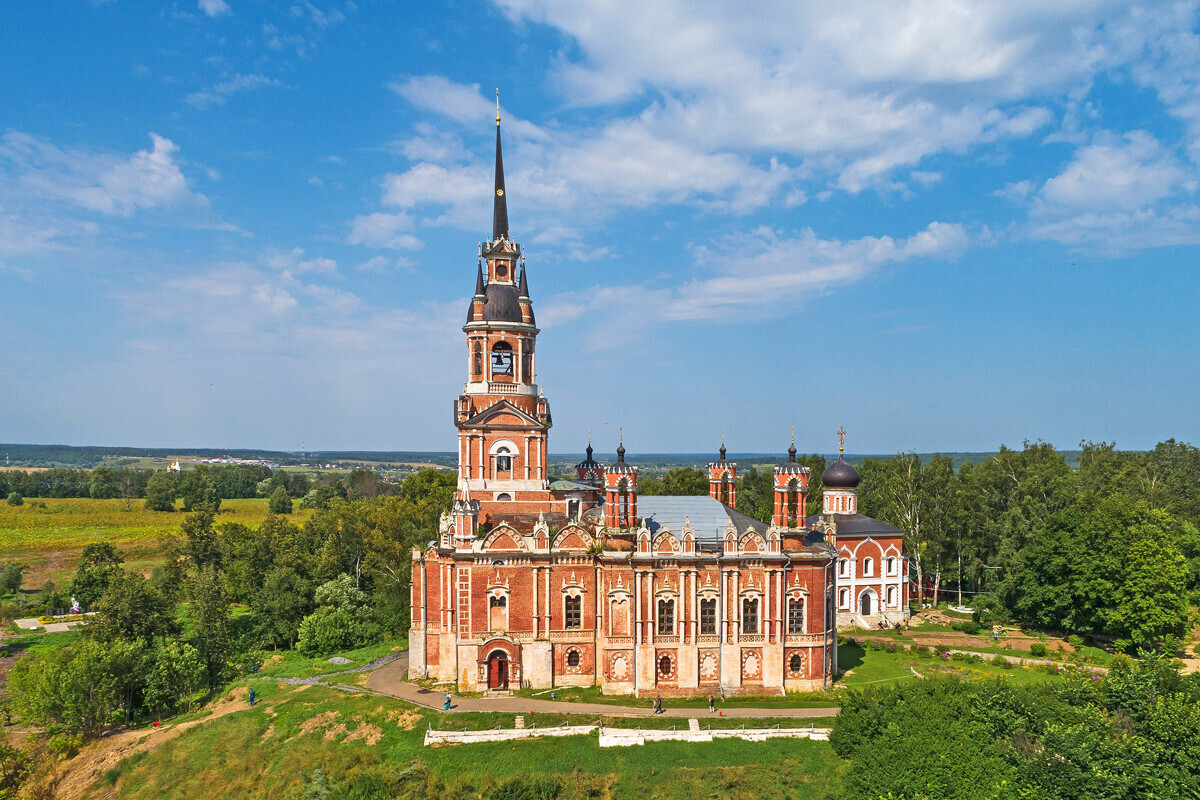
[1075,640]
[1000,661]
[11,578]
[1037,650]
[280,502]
[970,627]
[342,620]
[15,499]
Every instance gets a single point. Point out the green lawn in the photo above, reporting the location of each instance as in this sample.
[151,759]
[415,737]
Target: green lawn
[291,664]
[867,667]
[592,694]
[375,745]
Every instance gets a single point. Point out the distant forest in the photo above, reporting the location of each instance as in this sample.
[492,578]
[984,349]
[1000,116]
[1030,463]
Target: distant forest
[60,455]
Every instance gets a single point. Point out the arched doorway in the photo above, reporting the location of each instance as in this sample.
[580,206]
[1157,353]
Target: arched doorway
[866,606]
[497,670]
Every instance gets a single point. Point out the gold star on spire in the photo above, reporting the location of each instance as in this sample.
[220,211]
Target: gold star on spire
[841,441]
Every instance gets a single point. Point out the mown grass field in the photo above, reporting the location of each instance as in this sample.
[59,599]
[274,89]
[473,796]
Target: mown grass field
[268,750]
[49,540]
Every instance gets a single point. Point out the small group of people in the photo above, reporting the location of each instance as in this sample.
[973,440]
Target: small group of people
[884,624]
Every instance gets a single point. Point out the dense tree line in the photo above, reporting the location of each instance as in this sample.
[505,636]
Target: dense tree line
[1107,548]
[1110,548]
[337,581]
[1128,735]
[226,482]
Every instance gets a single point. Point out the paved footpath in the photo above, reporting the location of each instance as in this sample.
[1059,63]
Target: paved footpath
[389,680]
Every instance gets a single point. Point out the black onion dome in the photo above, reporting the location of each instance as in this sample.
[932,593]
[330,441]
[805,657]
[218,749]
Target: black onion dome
[589,462]
[841,474]
[502,304]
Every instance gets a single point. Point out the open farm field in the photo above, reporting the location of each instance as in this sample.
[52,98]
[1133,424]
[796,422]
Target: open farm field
[49,540]
[375,746]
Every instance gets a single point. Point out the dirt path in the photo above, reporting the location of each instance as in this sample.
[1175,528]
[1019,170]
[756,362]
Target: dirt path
[389,680]
[82,771]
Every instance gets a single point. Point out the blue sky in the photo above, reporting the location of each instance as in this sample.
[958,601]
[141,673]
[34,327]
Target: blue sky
[944,225]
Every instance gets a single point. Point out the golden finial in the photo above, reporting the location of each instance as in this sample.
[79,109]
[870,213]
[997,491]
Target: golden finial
[841,441]
[621,435]
[722,438]
[497,105]
[589,438]
[793,435]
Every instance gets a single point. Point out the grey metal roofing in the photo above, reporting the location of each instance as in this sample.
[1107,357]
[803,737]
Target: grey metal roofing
[564,485]
[708,517]
[858,525]
[841,474]
[502,304]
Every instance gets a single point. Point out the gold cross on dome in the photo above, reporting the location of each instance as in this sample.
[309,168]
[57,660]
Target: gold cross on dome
[841,441]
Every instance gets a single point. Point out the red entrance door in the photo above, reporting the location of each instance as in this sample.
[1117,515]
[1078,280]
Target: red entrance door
[498,670]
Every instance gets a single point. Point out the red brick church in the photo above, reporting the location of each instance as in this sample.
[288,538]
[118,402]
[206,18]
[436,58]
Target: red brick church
[540,582]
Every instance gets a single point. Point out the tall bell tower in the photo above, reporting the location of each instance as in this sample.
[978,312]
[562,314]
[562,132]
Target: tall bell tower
[502,418]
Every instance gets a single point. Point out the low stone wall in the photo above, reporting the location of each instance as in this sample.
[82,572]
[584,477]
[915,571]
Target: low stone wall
[503,735]
[624,737]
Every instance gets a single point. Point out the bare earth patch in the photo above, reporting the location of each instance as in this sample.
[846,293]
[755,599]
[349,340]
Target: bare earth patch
[405,720]
[366,733]
[334,732]
[318,722]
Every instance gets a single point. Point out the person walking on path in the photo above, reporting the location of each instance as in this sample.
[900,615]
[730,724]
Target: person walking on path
[251,697]
[658,709]
[712,704]
[446,705]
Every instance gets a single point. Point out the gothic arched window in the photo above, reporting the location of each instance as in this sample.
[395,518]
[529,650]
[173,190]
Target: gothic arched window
[666,617]
[708,617]
[749,615]
[623,503]
[574,612]
[795,616]
[724,492]
[504,458]
[793,502]
[478,361]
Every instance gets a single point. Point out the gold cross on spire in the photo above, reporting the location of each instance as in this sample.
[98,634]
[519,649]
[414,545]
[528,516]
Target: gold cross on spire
[793,435]
[841,441]
[621,435]
[497,105]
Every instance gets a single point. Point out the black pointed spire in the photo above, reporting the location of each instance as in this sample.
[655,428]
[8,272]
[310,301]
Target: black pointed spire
[722,445]
[479,290]
[621,448]
[522,285]
[500,210]
[792,449]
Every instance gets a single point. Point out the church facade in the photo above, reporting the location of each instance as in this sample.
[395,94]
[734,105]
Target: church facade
[543,582]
